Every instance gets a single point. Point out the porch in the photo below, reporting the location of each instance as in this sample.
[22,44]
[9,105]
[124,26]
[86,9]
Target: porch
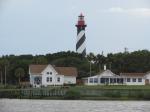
[104,81]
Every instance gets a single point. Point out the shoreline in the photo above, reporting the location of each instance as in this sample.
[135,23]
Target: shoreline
[117,93]
[84,99]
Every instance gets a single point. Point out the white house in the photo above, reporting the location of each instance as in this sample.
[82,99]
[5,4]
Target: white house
[133,78]
[44,75]
[108,78]
[147,78]
[105,77]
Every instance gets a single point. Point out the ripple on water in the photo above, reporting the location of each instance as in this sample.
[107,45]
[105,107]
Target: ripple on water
[16,105]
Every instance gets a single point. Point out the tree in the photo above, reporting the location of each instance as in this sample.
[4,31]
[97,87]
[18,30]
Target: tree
[100,61]
[4,63]
[91,57]
[1,76]
[19,73]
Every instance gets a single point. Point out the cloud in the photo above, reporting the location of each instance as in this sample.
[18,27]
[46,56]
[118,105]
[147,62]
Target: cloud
[116,10]
[133,11]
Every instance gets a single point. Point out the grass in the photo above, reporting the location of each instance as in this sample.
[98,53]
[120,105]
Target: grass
[95,87]
[109,92]
[132,87]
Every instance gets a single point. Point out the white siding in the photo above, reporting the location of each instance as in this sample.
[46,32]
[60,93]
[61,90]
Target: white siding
[32,76]
[106,73]
[134,83]
[49,72]
[69,79]
[147,76]
[54,77]
[92,78]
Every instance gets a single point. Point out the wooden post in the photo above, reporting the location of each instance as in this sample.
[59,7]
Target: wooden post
[90,68]
[20,93]
[1,77]
[5,75]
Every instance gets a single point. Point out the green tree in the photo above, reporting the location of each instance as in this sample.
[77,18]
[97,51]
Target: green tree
[100,61]
[19,73]
[4,64]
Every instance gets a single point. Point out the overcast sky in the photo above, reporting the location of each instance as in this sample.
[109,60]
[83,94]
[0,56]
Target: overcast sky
[48,26]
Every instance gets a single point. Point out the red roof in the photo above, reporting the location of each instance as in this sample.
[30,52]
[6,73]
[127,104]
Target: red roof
[133,74]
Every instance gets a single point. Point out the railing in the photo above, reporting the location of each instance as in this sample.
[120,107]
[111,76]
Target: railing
[30,93]
[85,92]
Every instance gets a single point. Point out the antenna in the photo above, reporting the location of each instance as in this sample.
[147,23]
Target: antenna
[125,50]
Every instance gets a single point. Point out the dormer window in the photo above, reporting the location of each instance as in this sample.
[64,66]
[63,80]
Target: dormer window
[49,73]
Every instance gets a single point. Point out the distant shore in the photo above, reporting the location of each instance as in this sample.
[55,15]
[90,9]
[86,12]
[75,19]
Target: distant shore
[80,93]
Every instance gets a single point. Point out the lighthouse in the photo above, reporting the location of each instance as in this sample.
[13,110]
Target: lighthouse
[80,45]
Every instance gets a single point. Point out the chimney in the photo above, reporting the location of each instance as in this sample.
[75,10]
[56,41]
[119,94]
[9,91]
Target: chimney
[105,67]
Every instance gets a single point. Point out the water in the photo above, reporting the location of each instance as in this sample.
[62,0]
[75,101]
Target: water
[16,105]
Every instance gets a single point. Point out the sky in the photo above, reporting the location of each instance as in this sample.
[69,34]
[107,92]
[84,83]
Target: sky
[48,26]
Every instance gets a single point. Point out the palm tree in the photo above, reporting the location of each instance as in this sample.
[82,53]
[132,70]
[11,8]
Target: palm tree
[1,76]
[100,61]
[19,73]
[4,65]
[91,57]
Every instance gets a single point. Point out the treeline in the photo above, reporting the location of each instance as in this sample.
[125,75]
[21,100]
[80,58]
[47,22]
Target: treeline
[14,69]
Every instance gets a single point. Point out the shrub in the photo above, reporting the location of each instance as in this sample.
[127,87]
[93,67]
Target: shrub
[72,95]
[72,85]
[146,95]
[9,94]
[115,94]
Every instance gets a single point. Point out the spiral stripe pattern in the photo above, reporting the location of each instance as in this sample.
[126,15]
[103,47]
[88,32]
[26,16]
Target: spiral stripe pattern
[80,46]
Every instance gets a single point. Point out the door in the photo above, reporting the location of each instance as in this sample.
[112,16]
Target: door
[147,82]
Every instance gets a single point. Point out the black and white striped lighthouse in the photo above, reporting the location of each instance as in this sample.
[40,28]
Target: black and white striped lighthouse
[80,46]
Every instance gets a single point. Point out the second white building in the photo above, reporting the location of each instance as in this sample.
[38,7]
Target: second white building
[107,77]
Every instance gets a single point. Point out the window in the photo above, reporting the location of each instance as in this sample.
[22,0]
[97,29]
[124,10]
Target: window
[107,80]
[102,80]
[37,80]
[47,79]
[121,80]
[95,80]
[139,79]
[91,80]
[50,79]
[128,79]
[118,80]
[111,80]
[134,79]
[58,79]
[115,80]
[49,73]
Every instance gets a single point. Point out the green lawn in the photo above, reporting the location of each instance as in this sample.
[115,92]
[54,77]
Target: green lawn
[87,87]
[113,87]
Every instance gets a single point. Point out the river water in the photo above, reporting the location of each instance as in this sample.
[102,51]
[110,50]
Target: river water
[16,105]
